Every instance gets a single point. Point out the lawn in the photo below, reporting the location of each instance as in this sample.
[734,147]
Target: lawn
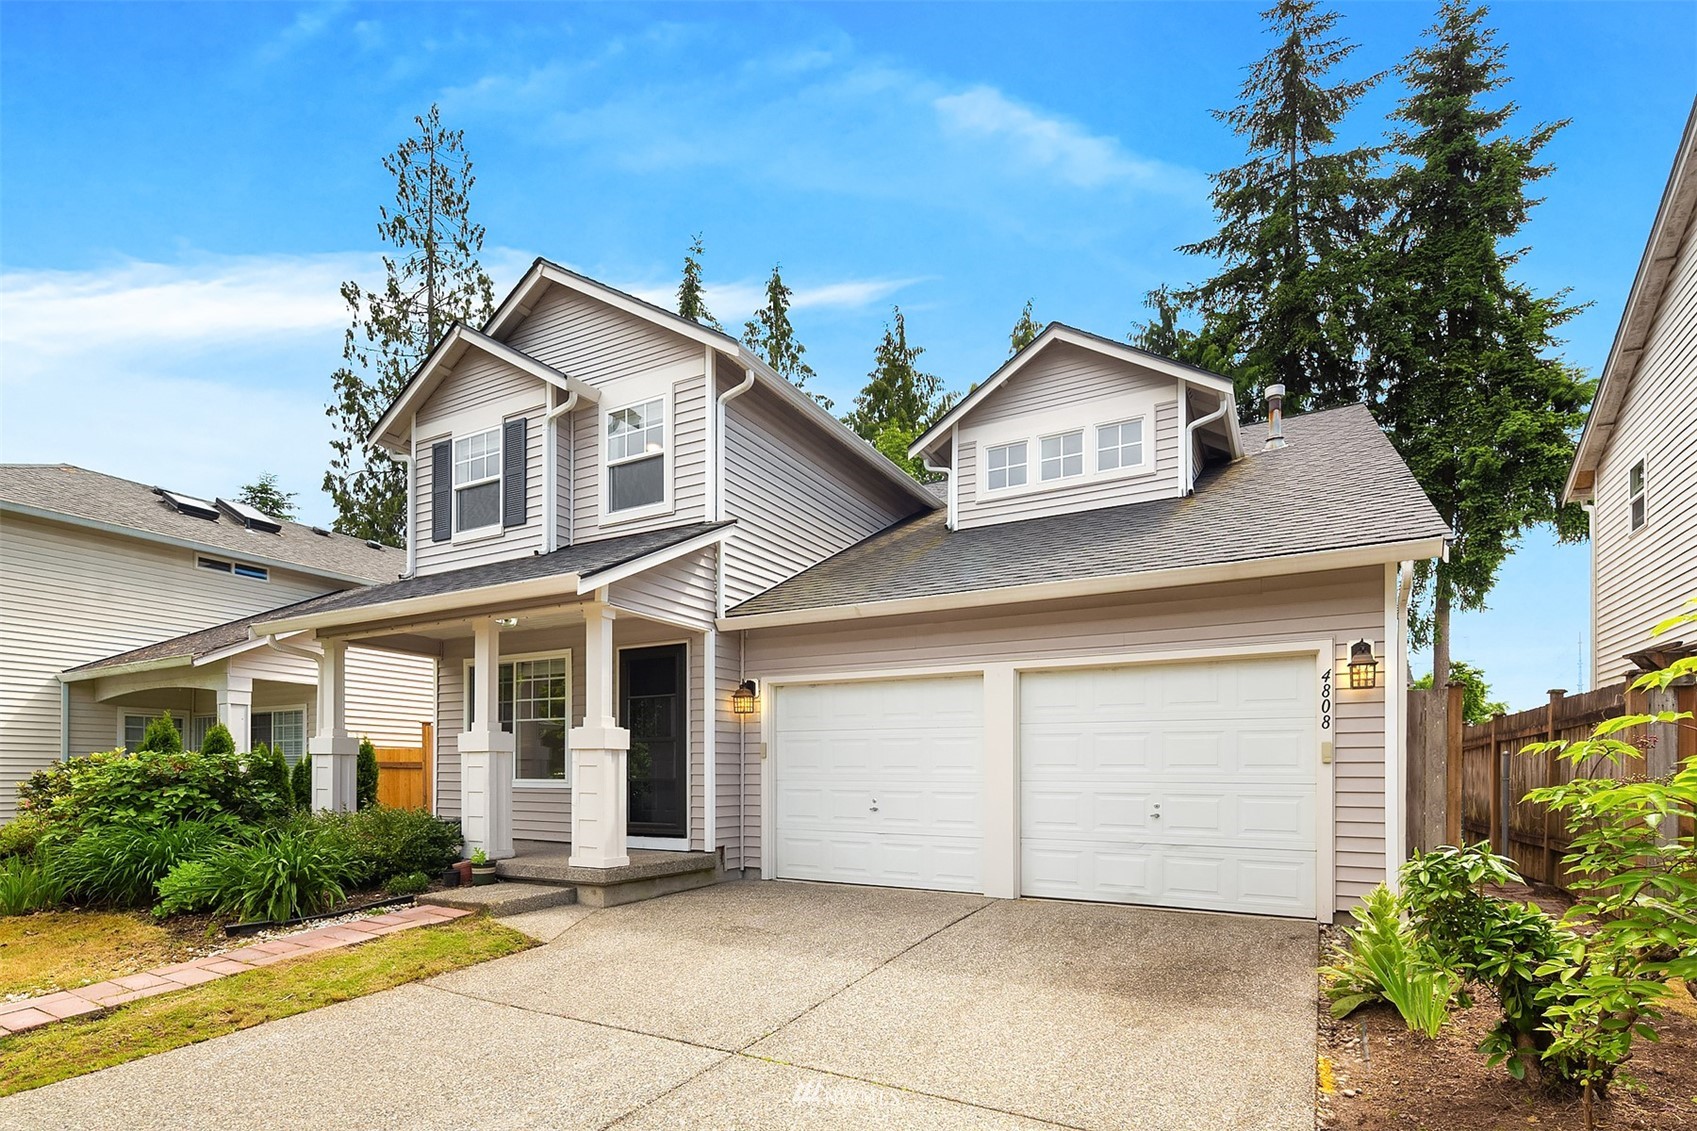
[61,950]
[71,1048]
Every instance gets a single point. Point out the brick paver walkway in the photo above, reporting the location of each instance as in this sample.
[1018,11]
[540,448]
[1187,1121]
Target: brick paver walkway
[17,1016]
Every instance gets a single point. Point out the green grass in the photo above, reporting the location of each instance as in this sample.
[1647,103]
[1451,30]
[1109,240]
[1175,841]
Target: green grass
[70,1048]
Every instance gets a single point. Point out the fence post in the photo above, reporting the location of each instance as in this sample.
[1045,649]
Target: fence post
[1685,699]
[1499,841]
[1454,704]
[1552,776]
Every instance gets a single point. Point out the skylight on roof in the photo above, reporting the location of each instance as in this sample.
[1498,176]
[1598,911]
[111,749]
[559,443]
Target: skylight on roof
[188,504]
[251,517]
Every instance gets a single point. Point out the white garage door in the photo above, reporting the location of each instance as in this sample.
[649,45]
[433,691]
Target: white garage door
[1181,785]
[878,782]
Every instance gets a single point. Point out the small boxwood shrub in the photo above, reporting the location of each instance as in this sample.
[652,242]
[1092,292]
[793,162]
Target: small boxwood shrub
[218,740]
[20,836]
[365,779]
[162,736]
[381,842]
[26,886]
[413,883]
[268,768]
[300,783]
[121,864]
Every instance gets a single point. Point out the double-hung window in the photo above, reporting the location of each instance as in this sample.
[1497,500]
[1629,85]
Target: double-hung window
[477,481]
[1063,456]
[636,456]
[1635,494]
[1005,465]
[536,709]
[1119,445]
[284,731]
[135,727]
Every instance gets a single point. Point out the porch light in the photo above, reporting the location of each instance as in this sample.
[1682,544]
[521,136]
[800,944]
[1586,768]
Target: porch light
[744,697]
[1363,666]
[507,622]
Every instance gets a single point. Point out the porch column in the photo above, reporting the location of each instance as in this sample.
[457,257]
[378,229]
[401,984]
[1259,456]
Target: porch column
[486,753]
[335,753]
[235,710]
[600,786]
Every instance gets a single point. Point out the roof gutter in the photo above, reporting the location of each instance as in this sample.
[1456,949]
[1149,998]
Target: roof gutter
[81,675]
[1411,550]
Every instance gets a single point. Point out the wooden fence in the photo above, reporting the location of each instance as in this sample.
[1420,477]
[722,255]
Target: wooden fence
[403,774]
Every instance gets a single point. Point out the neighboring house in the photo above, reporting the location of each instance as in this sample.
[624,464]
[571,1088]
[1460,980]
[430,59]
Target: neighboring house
[94,570]
[675,604]
[1636,467]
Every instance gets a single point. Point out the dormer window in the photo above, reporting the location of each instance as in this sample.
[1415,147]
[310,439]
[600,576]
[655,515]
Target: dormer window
[1119,445]
[636,457]
[1063,456]
[1005,466]
[477,482]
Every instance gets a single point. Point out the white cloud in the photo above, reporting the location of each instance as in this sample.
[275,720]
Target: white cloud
[733,302]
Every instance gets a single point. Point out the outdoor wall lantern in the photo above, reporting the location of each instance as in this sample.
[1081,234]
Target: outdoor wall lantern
[1363,666]
[744,697]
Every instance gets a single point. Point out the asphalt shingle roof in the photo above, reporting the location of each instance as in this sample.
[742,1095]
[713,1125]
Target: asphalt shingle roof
[1337,484]
[60,488]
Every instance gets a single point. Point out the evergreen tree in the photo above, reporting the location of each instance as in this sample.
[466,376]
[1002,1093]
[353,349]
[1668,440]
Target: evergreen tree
[162,736]
[433,280]
[692,297]
[300,782]
[1474,395]
[1025,331]
[365,775]
[266,495]
[218,740]
[899,402]
[1288,297]
[770,334]
[1207,348]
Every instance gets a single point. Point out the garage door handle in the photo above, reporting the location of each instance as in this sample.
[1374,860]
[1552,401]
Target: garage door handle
[874,805]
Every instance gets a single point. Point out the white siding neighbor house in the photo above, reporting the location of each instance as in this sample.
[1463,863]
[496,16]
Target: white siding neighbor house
[120,602]
[1636,467]
[674,605]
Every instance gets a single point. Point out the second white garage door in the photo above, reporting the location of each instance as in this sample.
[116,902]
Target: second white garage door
[880,782]
[1180,785]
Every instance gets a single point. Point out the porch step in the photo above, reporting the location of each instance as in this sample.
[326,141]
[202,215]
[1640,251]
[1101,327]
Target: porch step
[649,873]
[501,899]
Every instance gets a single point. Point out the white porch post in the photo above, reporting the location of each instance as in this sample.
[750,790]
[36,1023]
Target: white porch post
[600,787]
[486,753]
[235,709]
[335,753]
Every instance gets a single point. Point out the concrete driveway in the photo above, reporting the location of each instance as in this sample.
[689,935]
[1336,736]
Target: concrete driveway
[777,1005]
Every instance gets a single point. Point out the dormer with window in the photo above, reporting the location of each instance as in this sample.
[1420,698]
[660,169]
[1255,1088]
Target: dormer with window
[1076,422]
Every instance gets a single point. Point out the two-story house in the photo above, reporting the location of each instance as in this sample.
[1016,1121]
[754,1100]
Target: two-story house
[95,569]
[1635,470]
[673,604]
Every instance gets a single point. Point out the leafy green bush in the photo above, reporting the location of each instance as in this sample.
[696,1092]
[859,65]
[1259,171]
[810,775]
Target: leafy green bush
[26,886]
[218,740]
[161,736]
[280,874]
[413,883]
[365,781]
[20,836]
[380,841]
[300,783]
[1385,962]
[268,768]
[193,885]
[37,792]
[154,788]
[119,864]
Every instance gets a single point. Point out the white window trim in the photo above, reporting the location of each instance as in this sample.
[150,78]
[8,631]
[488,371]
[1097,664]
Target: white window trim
[1146,466]
[1644,494]
[1015,488]
[571,705]
[1084,454]
[668,455]
[306,722]
[150,713]
[1034,481]
[478,533]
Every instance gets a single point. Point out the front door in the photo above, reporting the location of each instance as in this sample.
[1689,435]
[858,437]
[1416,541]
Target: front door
[651,707]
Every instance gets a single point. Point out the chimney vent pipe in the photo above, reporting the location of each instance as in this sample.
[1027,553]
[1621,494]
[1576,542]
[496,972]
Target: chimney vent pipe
[1275,395]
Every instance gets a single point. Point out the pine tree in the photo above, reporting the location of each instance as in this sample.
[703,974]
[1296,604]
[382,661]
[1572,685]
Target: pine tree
[266,495]
[1208,348]
[899,402]
[1288,299]
[162,736]
[433,281]
[365,775]
[692,297]
[218,740]
[1474,395]
[770,334]
[1025,331]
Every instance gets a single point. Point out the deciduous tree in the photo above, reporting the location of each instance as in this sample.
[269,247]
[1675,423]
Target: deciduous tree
[267,495]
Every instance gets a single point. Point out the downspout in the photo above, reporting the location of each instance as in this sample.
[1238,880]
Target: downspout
[949,474]
[550,474]
[271,641]
[411,460]
[720,402]
[1190,440]
[64,721]
[742,761]
[1590,509]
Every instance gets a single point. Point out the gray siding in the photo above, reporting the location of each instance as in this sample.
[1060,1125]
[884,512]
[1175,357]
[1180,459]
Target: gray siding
[737,769]
[1642,577]
[1344,606]
[686,456]
[680,590]
[796,496]
[594,342]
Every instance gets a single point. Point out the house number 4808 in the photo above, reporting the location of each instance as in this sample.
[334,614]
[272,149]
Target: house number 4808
[1326,701]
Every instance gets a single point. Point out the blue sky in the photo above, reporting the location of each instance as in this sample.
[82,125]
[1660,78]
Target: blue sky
[183,187]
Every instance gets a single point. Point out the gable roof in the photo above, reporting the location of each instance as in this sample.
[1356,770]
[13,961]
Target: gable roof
[1668,234]
[1056,332]
[1336,495]
[65,493]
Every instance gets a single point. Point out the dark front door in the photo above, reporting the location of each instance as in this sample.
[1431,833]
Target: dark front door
[651,706]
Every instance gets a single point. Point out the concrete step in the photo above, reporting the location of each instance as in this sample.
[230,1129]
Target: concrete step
[501,899]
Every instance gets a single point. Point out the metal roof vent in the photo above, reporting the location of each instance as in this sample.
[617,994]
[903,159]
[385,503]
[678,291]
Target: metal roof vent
[374,544]
[1275,395]
[320,531]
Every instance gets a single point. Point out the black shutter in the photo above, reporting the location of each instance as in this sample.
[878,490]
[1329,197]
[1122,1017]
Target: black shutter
[512,473]
[442,491]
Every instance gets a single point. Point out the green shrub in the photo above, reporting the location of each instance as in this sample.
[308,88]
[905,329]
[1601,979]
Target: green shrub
[193,885]
[282,873]
[365,785]
[1384,961]
[268,768]
[300,783]
[26,886]
[380,841]
[154,788]
[120,865]
[20,836]
[218,740]
[161,736]
[37,792]
[413,883]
